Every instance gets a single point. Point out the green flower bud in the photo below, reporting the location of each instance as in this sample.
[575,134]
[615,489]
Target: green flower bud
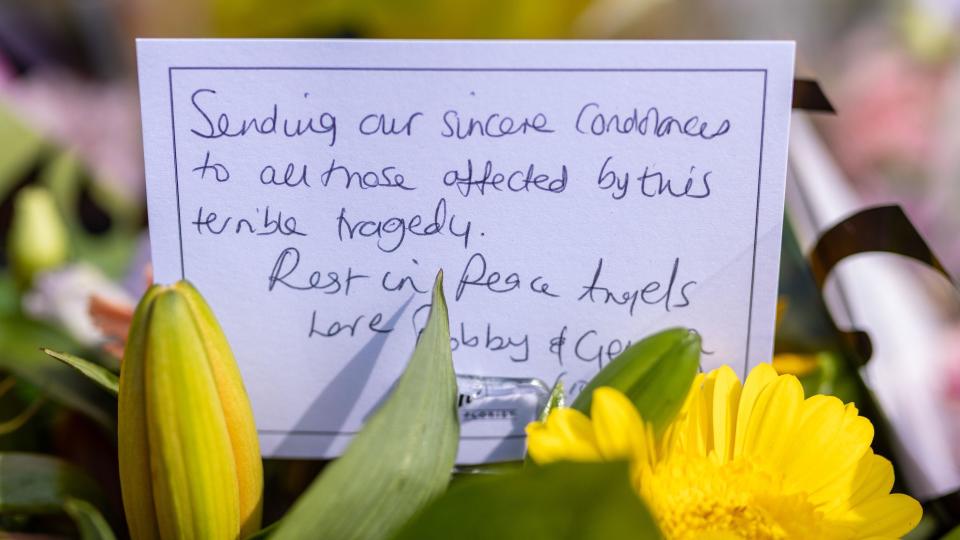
[38,238]
[655,373]
[190,463]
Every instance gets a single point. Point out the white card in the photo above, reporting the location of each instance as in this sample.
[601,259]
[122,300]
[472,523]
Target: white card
[577,195]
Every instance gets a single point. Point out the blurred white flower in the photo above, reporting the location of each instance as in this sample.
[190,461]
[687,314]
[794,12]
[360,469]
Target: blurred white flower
[62,297]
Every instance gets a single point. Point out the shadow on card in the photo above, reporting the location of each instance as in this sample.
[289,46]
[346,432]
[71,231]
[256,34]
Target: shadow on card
[335,404]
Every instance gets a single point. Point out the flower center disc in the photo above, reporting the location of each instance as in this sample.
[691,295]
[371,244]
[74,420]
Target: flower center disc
[696,497]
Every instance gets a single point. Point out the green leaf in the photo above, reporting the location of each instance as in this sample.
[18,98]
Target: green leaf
[631,365]
[953,535]
[555,400]
[20,356]
[655,373]
[89,520]
[111,252]
[70,182]
[95,372]
[264,532]
[38,484]
[400,460]
[575,501]
[22,148]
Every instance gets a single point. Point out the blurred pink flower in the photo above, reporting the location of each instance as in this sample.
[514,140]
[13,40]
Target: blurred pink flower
[6,70]
[97,121]
[896,134]
[887,105]
[952,365]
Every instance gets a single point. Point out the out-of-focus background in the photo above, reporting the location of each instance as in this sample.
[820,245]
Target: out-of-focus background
[69,121]
[67,72]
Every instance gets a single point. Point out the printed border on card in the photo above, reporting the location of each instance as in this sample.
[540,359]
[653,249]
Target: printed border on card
[756,223]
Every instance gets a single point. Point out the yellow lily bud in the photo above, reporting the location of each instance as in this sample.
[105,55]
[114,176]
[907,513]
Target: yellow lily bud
[190,463]
[38,238]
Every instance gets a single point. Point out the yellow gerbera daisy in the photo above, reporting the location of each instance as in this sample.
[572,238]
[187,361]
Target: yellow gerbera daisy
[752,462]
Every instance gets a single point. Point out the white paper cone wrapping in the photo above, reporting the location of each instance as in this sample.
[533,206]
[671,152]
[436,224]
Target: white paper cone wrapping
[881,294]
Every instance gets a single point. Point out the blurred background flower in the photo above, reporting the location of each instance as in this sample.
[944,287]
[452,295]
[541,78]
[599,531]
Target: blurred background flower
[67,70]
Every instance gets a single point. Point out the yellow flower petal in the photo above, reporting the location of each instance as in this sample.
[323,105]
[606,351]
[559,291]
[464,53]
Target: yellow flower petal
[725,394]
[875,479]
[771,423]
[872,478]
[617,426]
[795,364]
[236,408]
[566,435]
[686,433]
[759,378]
[891,515]
[194,484]
[831,438]
[855,437]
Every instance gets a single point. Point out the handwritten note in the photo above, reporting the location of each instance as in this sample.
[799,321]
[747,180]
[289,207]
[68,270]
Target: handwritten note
[577,195]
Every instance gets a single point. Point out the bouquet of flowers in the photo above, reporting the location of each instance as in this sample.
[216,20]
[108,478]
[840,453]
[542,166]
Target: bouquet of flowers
[649,448]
